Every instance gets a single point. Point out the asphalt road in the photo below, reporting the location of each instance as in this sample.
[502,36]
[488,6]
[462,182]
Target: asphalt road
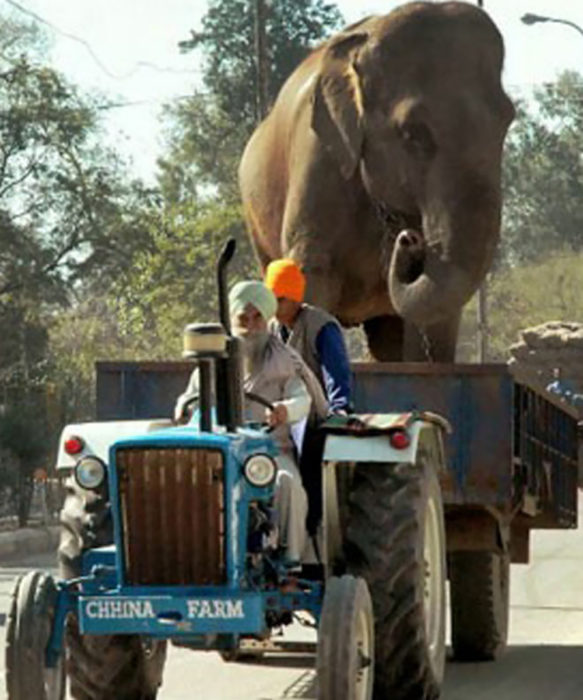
[544,660]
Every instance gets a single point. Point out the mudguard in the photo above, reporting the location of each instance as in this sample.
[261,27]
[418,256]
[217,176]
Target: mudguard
[98,437]
[367,438]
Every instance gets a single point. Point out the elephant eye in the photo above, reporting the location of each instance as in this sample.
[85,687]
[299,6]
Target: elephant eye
[417,139]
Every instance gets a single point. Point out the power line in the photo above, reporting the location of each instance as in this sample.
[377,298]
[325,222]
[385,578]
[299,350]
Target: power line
[141,103]
[93,54]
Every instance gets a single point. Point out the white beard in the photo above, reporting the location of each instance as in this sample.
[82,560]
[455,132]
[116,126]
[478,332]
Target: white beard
[253,351]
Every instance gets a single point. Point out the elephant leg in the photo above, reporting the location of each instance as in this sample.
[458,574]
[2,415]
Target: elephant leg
[435,343]
[385,338]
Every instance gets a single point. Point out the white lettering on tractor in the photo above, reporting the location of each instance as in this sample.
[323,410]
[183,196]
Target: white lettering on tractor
[215,609]
[119,609]
[142,609]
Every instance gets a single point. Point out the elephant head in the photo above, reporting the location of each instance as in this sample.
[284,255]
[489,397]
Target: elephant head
[412,103]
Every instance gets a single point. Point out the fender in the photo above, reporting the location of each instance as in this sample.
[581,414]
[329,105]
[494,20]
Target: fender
[425,435]
[98,437]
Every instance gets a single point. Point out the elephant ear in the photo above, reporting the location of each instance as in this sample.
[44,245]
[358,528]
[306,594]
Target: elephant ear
[337,102]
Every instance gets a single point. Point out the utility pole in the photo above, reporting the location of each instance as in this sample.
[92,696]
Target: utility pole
[482,335]
[261,59]
[483,322]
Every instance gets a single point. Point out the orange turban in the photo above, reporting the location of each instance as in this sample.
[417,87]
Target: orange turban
[285,279]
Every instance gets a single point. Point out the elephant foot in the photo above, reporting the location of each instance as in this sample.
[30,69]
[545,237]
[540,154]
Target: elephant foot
[409,255]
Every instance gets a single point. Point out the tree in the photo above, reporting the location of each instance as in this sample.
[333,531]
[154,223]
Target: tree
[543,174]
[208,131]
[175,283]
[525,295]
[70,220]
[61,192]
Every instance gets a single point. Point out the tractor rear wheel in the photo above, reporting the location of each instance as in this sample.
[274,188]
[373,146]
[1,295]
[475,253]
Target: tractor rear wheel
[480,601]
[101,667]
[28,630]
[395,540]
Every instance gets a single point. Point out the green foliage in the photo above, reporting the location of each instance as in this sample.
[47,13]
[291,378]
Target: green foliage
[65,208]
[174,283]
[24,444]
[524,296]
[208,132]
[228,43]
[204,146]
[22,435]
[79,337]
[543,173]
[70,219]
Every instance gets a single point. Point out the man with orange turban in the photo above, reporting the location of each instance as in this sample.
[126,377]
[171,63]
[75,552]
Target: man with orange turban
[317,336]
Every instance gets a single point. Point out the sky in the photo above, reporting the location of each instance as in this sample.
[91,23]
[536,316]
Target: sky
[128,50]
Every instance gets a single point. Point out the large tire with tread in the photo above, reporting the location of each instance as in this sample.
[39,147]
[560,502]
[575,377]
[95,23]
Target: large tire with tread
[29,625]
[480,601]
[345,657]
[124,667]
[395,540]
[101,667]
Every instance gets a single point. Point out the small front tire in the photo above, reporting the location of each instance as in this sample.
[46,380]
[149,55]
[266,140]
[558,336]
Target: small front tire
[29,626]
[345,656]
[101,667]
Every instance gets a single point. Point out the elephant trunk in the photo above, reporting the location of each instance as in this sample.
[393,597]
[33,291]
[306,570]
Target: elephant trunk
[435,294]
[430,281]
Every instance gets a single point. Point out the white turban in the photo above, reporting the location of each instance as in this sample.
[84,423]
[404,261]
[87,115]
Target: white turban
[255,293]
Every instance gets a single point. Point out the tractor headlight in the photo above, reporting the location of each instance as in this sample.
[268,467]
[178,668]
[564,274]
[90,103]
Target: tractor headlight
[260,470]
[90,473]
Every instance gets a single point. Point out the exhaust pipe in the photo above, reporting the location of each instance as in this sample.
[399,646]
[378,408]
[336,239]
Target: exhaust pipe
[229,377]
[224,259]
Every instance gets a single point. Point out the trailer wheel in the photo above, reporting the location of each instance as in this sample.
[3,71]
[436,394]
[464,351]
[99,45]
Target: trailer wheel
[396,541]
[345,656]
[124,667]
[29,626]
[480,600]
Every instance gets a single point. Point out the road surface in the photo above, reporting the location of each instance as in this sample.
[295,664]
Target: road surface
[544,659]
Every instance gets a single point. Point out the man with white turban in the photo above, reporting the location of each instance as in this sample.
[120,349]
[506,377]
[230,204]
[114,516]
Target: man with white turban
[279,375]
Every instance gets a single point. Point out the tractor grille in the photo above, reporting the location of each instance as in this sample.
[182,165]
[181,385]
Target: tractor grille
[172,514]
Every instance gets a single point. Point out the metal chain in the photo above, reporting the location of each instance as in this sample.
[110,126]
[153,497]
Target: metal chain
[426,345]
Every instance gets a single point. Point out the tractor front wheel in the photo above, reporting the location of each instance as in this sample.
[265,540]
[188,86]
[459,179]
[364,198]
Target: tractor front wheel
[29,626]
[102,667]
[345,657]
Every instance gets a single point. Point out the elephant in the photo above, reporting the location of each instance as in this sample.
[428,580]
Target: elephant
[378,169]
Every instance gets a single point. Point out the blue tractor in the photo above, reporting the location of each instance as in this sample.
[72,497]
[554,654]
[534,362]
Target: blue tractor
[168,536]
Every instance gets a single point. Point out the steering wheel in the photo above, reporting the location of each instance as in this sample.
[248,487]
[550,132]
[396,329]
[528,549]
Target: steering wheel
[259,399]
[263,402]
[248,395]
[186,409]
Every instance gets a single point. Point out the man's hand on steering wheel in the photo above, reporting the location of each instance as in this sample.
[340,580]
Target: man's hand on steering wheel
[276,416]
